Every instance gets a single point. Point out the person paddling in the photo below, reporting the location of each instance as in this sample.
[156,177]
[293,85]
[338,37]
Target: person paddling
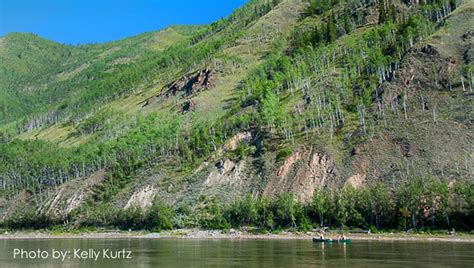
[342,237]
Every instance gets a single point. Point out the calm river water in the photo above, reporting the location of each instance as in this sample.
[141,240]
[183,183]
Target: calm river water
[230,253]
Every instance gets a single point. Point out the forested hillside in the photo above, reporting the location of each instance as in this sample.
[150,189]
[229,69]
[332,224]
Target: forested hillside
[286,114]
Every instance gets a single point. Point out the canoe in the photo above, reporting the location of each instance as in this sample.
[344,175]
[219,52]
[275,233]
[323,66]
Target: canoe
[318,240]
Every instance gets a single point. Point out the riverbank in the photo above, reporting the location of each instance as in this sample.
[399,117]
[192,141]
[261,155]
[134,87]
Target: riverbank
[231,234]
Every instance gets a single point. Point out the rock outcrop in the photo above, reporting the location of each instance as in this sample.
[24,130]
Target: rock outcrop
[228,179]
[71,195]
[188,106]
[143,198]
[301,173]
[191,84]
[187,86]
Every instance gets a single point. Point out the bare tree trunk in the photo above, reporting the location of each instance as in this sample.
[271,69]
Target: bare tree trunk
[405,107]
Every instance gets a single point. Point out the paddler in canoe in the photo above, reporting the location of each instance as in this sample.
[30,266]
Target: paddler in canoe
[321,238]
[343,238]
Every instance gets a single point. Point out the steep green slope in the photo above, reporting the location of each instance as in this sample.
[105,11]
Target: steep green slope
[50,81]
[371,101]
[27,60]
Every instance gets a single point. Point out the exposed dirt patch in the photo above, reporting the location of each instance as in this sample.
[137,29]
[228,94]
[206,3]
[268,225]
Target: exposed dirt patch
[85,191]
[423,69]
[143,198]
[229,146]
[224,179]
[71,195]
[216,158]
[227,174]
[301,173]
[234,142]
[356,180]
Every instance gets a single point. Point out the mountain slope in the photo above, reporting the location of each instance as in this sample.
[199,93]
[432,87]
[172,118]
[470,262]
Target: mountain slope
[41,73]
[340,103]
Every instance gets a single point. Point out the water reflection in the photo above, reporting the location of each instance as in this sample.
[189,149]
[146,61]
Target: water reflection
[251,253]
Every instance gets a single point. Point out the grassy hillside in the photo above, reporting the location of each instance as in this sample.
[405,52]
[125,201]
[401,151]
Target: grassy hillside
[49,79]
[342,113]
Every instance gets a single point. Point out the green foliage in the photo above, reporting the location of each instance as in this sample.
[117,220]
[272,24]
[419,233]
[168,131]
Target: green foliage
[272,112]
[319,206]
[35,164]
[421,203]
[245,211]
[160,215]
[104,120]
[211,215]
[330,32]
[283,154]
[285,208]
[28,219]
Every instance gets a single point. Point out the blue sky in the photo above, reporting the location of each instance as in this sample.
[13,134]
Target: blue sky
[95,21]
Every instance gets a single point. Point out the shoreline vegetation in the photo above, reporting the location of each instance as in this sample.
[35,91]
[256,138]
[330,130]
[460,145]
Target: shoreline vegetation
[418,206]
[233,234]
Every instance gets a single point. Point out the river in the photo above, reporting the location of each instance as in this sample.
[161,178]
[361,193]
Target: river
[230,253]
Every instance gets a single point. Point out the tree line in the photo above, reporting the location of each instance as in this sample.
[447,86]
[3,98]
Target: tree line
[418,204]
